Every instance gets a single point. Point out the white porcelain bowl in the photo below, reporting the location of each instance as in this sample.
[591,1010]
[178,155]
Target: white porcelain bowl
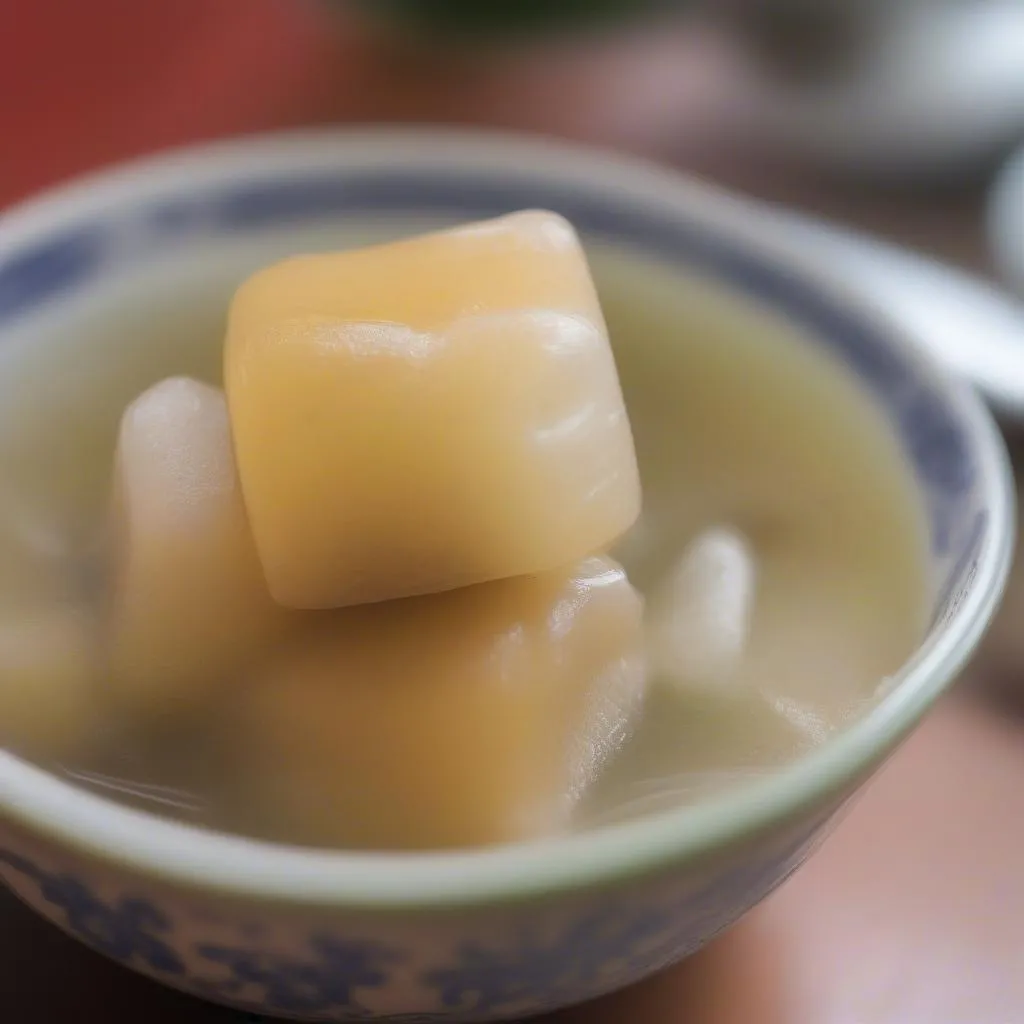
[497,933]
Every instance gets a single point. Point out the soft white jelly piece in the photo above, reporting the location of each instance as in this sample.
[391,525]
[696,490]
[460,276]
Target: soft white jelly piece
[189,605]
[700,619]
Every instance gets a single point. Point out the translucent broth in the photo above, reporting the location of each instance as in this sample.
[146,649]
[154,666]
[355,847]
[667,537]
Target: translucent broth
[737,421]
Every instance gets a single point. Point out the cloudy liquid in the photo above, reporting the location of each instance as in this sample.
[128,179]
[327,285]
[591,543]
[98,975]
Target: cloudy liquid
[739,425]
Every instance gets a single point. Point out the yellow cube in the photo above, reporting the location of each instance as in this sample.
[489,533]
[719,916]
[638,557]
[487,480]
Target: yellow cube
[428,414]
[471,717]
[189,605]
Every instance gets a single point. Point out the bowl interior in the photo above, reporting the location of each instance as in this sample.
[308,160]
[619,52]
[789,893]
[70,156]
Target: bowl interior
[131,245]
[134,264]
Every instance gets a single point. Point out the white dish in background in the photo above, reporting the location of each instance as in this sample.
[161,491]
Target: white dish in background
[1006,221]
[937,92]
[972,326]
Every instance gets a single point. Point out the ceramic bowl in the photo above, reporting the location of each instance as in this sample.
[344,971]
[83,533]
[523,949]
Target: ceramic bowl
[498,933]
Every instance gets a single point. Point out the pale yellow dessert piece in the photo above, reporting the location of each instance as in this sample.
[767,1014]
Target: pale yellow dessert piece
[189,605]
[471,717]
[428,414]
[48,700]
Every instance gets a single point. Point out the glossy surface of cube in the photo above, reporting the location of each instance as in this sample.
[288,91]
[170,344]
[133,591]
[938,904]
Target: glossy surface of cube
[429,414]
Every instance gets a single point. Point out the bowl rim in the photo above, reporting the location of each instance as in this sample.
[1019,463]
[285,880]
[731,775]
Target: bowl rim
[188,857]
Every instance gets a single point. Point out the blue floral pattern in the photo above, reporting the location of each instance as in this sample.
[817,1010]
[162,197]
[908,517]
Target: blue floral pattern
[325,979]
[131,930]
[598,948]
[594,952]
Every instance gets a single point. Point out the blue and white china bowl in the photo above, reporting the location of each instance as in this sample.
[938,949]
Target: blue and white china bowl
[506,932]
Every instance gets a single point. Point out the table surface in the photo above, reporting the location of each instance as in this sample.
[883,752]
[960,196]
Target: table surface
[913,911]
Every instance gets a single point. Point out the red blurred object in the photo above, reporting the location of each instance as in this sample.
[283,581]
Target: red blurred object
[86,82]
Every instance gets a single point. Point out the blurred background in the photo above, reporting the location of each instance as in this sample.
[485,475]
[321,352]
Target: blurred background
[772,95]
[897,118]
